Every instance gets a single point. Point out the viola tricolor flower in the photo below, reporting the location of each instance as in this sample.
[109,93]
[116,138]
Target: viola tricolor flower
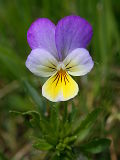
[58,52]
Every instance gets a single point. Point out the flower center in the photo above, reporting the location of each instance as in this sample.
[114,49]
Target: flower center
[61,77]
[60,66]
[62,72]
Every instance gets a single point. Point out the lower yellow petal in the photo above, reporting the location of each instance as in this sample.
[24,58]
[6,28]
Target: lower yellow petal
[60,87]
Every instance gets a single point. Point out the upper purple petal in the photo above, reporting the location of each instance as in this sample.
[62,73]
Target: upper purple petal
[72,32]
[41,34]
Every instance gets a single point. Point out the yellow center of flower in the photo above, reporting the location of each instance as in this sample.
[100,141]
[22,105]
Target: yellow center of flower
[61,76]
[60,86]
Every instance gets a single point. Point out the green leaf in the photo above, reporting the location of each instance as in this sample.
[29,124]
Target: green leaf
[50,139]
[35,96]
[65,129]
[85,126]
[46,127]
[31,117]
[68,140]
[15,113]
[41,144]
[96,146]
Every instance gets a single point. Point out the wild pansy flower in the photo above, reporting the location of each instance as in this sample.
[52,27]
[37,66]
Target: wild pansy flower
[58,52]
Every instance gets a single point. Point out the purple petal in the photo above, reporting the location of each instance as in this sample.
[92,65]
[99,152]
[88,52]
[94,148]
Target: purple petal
[72,32]
[41,34]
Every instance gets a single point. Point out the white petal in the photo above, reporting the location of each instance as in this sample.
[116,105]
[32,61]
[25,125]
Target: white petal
[78,62]
[41,63]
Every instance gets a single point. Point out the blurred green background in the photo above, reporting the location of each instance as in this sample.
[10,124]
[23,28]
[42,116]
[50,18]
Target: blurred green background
[20,89]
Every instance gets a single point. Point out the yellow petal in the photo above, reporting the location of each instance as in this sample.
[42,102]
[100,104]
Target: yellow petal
[60,87]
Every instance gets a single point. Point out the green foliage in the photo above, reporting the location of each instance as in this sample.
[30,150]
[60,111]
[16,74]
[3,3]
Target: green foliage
[63,130]
[35,96]
[49,133]
[96,146]
[86,125]
[42,144]
[32,118]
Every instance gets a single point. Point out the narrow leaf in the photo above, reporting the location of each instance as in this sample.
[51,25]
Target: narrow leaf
[88,121]
[35,96]
[96,146]
[31,117]
[34,118]
[41,144]
[85,126]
